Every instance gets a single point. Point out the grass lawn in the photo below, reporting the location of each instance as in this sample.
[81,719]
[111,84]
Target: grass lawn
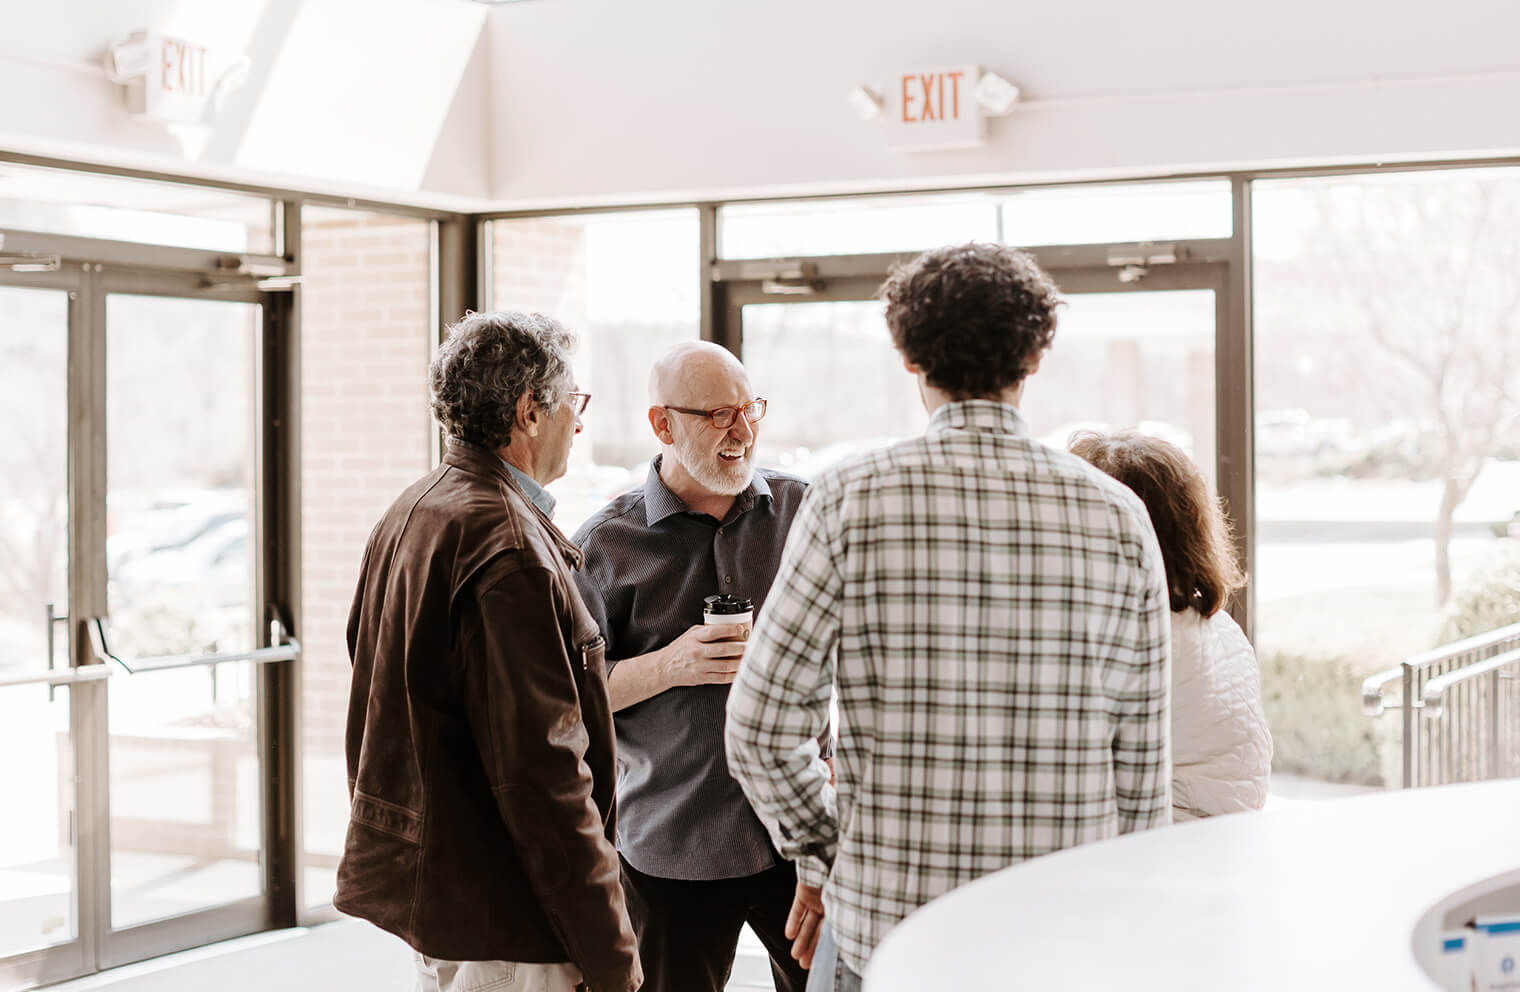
[1370,628]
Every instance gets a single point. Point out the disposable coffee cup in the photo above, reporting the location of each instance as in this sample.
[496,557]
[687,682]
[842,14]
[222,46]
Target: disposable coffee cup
[728,608]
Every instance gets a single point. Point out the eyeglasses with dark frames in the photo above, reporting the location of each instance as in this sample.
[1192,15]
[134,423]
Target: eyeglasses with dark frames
[723,417]
[579,402]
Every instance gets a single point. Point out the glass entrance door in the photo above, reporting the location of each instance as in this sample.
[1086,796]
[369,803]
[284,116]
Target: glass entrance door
[834,383]
[1141,358]
[181,466]
[135,625]
[40,906]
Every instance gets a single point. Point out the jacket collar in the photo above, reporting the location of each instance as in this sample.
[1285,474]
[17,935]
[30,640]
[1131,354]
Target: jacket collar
[480,460]
[978,416]
[660,502]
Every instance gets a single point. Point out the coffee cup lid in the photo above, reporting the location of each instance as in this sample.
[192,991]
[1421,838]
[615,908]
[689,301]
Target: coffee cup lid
[725,603]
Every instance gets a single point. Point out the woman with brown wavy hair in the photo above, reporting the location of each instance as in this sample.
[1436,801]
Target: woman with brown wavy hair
[1221,748]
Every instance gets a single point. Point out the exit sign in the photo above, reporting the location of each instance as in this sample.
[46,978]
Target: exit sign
[170,79]
[936,108]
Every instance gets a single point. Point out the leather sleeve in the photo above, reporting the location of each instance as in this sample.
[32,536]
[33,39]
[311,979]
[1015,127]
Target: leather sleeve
[356,609]
[523,677]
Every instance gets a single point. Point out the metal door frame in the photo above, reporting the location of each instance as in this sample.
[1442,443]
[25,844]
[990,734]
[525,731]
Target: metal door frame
[182,274]
[86,697]
[1219,265]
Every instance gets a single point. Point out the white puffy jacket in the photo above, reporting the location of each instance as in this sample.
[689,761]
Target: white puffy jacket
[1221,748]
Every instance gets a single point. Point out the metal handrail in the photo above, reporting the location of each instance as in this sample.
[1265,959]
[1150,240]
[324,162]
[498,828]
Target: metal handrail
[1373,702]
[1445,652]
[286,648]
[1436,688]
[1424,683]
[58,678]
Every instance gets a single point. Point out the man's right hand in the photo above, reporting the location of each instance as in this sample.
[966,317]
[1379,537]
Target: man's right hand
[707,654]
[803,923]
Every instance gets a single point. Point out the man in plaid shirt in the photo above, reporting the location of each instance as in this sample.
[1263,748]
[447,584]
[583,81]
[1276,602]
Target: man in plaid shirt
[993,614]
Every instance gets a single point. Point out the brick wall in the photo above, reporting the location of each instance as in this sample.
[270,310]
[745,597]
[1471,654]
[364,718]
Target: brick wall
[540,265]
[365,436]
[366,429]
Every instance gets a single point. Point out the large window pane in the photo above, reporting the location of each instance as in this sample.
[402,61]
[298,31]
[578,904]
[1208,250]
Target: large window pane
[34,498]
[1089,214]
[180,457]
[626,284]
[185,799]
[1098,214]
[1120,360]
[365,436]
[38,904]
[53,201]
[798,354]
[185,802]
[855,226]
[1387,416]
[1142,360]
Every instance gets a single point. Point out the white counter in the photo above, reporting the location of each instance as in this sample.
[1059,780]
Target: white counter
[1325,895]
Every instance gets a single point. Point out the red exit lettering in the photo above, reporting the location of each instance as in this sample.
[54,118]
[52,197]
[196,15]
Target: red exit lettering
[182,68]
[934,96]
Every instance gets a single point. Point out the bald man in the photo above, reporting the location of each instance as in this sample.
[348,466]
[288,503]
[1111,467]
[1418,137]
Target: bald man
[697,863]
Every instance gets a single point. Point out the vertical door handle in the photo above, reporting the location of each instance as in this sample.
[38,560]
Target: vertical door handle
[52,620]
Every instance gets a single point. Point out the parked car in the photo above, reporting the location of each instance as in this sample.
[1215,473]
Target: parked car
[1060,437]
[143,523]
[806,463]
[212,567]
[1294,433]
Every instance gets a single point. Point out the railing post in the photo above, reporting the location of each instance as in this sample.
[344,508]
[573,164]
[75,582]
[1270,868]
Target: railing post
[1444,739]
[1406,714]
[1495,753]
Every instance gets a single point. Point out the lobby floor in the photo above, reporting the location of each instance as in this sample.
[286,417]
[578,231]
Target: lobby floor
[348,954]
[352,954]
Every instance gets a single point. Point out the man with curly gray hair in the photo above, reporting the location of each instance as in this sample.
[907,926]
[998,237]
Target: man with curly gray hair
[480,743]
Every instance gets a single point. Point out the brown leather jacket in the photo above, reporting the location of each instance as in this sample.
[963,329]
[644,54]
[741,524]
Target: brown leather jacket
[480,743]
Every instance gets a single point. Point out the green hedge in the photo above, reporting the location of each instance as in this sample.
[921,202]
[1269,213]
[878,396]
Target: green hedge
[1489,599]
[1313,704]
[1314,709]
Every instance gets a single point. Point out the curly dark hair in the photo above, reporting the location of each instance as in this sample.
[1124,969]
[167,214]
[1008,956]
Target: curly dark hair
[487,362]
[1201,567]
[973,317]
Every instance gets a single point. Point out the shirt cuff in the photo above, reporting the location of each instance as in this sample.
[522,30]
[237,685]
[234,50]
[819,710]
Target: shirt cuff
[813,872]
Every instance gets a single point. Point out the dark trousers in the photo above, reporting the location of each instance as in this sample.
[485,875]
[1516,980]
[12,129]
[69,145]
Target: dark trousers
[688,931]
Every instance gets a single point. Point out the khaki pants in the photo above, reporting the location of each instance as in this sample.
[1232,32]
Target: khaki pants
[437,975]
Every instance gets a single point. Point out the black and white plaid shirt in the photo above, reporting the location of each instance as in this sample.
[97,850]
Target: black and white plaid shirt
[994,616]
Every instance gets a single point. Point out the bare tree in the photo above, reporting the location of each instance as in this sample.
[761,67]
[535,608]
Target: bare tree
[1422,280]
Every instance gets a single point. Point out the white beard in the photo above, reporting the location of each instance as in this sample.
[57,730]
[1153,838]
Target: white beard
[720,477]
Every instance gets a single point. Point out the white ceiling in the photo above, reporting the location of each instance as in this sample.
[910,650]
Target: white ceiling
[573,101]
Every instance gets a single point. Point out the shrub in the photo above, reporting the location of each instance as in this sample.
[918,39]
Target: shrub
[1313,707]
[1489,599]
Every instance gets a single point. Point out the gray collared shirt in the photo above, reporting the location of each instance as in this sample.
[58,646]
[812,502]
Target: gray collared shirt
[649,563]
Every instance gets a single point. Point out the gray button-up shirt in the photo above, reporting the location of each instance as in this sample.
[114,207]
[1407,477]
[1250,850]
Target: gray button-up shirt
[649,563]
